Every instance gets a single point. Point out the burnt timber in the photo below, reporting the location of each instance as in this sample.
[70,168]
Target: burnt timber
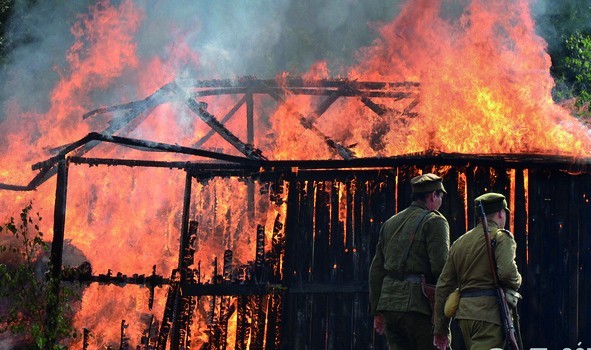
[310,289]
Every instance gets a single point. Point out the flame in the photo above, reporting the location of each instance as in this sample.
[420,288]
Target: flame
[485,81]
[485,87]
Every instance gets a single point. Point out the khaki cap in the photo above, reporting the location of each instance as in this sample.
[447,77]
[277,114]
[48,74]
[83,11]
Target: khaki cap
[427,183]
[492,202]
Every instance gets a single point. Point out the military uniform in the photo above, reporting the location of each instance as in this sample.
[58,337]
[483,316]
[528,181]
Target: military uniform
[468,268]
[394,286]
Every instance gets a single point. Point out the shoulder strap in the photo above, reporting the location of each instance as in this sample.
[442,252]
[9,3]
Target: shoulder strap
[411,239]
[493,240]
[507,232]
[397,231]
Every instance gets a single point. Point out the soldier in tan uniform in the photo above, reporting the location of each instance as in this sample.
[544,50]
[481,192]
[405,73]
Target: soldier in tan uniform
[412,244]
[468,269]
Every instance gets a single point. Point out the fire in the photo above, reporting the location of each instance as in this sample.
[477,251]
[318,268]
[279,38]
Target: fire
[485,87]
[485,81]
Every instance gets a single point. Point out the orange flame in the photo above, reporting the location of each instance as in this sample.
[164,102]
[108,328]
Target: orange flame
[485,87]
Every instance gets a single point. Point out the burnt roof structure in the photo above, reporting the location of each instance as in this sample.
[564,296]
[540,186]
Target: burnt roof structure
[310,289]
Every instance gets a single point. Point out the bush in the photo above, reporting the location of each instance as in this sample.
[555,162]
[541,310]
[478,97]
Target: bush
[25,287]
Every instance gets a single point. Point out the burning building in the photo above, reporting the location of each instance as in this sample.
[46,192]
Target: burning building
[243,213]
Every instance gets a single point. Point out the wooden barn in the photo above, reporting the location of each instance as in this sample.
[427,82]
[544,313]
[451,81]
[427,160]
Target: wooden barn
[306,285]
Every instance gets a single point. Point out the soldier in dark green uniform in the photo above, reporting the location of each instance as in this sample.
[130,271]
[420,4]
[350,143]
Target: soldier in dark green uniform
[412,244]
[468,268]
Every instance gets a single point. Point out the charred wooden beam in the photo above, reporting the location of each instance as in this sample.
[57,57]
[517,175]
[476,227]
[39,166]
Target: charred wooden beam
[282,91]
[242,324]
[200,109]
[227,117]
[259,262]
[274,313]
[85,336]
[161,95]
[225,300]
[145,341]
[497,160]
[322,107]
[259,323]
[277,249]
[250,140]
[83,275]
[298,86]
[187,304]
[124,342]
[343,151]
[167,318]
[212,315]
[289,82]
[201,289]
[515,161]
[55,262]
[181,317]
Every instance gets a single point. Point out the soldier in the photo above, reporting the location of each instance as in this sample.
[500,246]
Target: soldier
[468,269]
[412,246]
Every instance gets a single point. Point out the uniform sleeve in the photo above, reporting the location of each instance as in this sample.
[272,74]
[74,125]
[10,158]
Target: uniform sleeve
[447,283]
[509,276]
[377,272]
[437,243]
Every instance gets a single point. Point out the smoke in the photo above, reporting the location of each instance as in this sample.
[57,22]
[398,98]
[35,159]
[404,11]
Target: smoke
[556,20]
[231,39]
[40,38]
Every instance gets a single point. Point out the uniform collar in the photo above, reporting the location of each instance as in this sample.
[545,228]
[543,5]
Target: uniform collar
[492,225]
[420,204]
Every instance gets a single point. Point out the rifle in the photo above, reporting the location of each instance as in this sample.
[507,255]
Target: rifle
[506,316]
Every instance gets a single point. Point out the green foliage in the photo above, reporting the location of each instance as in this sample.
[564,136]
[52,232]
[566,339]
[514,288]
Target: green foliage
[578,65]
[5,11]
[25,289]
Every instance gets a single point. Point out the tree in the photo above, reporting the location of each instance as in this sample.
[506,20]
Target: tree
[577,65]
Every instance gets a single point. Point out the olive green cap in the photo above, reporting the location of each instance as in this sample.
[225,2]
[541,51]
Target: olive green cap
[492,202]
[427,183]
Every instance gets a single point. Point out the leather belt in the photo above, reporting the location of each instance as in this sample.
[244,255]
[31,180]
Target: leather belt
[478,293]
[408,277]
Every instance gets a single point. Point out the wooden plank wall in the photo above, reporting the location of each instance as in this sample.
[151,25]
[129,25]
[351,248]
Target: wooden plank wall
[555,312]
[327,259]
[326,268]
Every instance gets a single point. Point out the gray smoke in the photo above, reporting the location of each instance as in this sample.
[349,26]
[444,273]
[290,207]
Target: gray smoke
[231,38]
[556,20]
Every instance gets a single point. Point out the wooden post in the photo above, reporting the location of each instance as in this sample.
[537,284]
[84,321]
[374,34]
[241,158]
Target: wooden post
[57,246]
[180,304]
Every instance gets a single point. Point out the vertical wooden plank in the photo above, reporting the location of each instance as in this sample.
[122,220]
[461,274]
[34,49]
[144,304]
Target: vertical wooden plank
[242,326]
[404,190]
[321,270]
[584,263]
[322,260]
[349,244]
[338,327]
[57,245]
[520,233]
[521,216]
[293,274]
[531,307]
[337,239]
[453,206]
[378,207]
[571,257]
[547,278]
[356,225]
[250,186]
[275,305]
